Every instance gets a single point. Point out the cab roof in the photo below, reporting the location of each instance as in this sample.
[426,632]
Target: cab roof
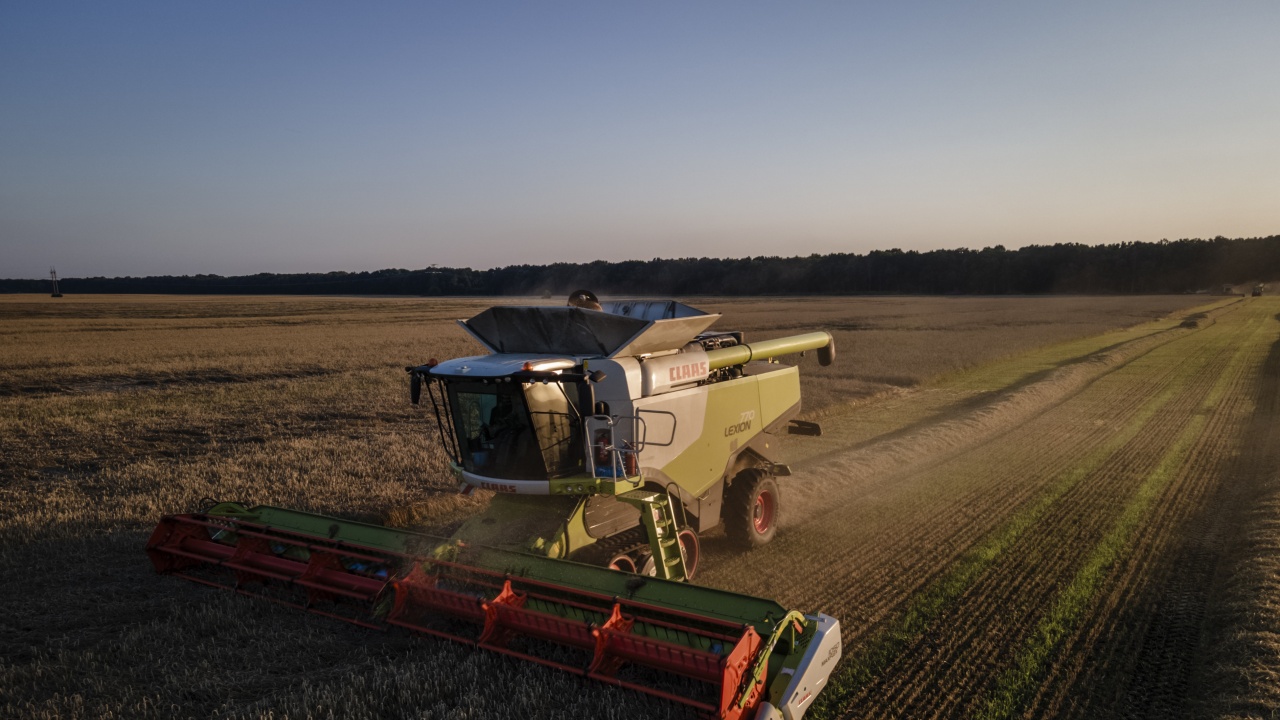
[502,365]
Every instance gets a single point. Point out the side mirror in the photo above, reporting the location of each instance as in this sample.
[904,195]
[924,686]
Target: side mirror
[415,388]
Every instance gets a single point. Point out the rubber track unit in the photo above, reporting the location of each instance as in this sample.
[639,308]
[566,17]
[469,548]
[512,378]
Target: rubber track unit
[602,551]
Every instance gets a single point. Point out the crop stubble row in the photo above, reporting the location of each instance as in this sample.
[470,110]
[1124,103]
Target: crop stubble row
[1143,634]
[966,643]
[962,517]
[1108,399]
[1088,585]
[1193,391]
[855,498]
[935,498]
[1239,675]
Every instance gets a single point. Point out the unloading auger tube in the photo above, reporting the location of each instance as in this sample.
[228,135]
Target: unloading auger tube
[734,656]
[767,349]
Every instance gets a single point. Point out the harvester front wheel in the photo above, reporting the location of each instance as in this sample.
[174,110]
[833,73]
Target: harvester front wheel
[692,549]
[751,508]
[647,566]
[623,562]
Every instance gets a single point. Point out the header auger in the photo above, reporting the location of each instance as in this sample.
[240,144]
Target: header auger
[611,439]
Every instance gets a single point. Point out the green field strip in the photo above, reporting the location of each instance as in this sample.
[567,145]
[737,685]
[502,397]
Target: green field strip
[1000,374]
[1235,676]
[1122,636]
[955,388]
[1015,686]
[876,654]
[1218,346]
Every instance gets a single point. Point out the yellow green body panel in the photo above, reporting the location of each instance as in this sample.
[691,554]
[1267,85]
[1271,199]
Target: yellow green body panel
[736,411]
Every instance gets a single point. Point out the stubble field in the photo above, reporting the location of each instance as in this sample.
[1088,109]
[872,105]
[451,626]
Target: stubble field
[1020,507]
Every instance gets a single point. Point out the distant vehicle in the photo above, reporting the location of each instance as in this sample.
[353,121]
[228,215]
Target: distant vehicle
[1228,290]
[1258,289]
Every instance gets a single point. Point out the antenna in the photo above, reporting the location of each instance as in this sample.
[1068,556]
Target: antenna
[53,278]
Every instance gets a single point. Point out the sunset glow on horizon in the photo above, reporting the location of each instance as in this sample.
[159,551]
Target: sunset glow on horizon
[143,138]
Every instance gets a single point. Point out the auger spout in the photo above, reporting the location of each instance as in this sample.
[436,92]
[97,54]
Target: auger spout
[765,349]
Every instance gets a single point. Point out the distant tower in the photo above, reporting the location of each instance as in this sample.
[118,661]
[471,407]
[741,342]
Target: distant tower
[53,277]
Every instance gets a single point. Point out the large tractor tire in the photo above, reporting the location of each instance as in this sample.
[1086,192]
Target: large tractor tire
[692,549]
[751,509]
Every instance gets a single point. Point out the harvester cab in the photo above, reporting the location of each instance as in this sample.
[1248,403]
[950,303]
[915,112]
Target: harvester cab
[611,438]
[616,437]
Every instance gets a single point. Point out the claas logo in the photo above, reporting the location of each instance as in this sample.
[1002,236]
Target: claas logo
[687,371]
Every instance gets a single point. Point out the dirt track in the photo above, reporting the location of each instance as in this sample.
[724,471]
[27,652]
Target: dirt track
[1051,551]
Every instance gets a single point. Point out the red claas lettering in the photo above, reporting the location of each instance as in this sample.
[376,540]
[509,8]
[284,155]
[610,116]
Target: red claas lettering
[684,372]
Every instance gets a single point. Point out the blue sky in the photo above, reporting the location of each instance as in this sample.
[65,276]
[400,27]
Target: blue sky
[236,137]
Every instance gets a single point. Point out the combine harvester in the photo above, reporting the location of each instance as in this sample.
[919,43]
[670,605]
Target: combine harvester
[612,439]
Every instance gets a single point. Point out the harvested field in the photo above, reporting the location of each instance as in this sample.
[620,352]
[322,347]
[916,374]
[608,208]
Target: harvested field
[1020,507]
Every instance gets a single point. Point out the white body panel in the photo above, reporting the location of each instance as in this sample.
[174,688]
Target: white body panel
[622,380]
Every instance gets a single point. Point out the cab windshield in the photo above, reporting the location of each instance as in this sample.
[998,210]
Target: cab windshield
[521,431]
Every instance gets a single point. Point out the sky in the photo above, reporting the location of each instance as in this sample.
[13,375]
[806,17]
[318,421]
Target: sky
[243,136]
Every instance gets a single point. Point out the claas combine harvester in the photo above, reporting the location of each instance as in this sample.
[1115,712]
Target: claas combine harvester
[612,439]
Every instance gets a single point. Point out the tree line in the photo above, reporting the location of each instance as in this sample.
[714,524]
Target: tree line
[1133,267]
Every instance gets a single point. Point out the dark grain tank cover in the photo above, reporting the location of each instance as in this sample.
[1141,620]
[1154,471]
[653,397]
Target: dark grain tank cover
[574,331]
